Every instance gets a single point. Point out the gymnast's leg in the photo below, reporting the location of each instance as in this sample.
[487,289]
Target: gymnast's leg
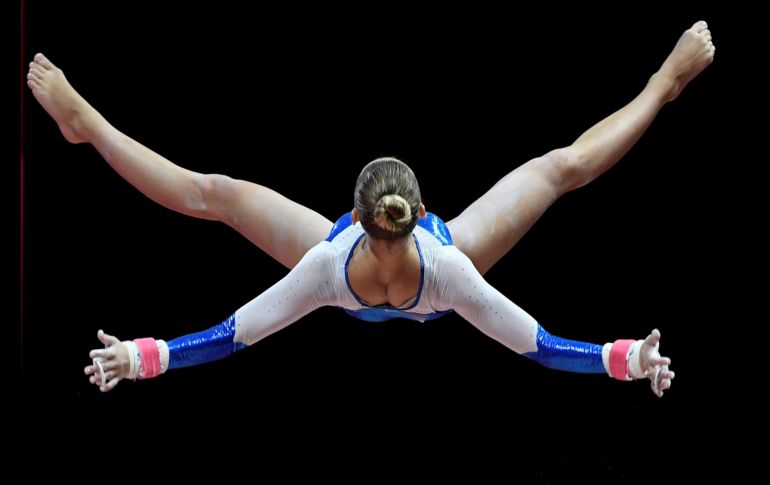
[283,229]
[494,223]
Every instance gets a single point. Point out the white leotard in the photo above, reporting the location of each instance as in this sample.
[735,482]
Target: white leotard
[449,281]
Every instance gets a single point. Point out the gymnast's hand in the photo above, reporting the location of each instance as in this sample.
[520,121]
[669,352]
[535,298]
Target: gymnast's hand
[114,363]
[653,365]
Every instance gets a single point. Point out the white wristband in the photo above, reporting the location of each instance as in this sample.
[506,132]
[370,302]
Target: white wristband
[163,350]
[606,357]
[635,360]
[134,359]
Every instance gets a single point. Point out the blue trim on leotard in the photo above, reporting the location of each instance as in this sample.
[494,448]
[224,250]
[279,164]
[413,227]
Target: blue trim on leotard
[342,223]
[206,346]
[569,355]
[434,225]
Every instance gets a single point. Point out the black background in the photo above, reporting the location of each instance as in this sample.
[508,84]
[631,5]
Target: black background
[299,101]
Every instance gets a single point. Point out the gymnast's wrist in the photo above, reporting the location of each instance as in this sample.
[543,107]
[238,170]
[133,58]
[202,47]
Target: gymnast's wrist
[147,358]
[622,359]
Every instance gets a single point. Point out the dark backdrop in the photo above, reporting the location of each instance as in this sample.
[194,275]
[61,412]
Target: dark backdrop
[299,101]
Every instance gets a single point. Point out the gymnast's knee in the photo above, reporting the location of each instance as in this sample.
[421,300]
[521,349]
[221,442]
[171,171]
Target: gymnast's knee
[565,169]
[215,192]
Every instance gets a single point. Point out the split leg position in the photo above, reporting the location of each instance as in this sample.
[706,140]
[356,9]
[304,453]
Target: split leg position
[494,223]
[282,228]
[285,230]
[485,231]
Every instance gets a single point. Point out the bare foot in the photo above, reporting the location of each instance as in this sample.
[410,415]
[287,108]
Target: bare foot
[57,96]
[692,54]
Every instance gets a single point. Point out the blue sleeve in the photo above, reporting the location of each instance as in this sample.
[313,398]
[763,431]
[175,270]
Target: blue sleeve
[206,346]
[569,355]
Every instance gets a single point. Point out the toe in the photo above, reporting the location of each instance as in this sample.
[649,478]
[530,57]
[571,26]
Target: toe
[43,61]
[700,26]
[33,74]
[34,84]
[36,73]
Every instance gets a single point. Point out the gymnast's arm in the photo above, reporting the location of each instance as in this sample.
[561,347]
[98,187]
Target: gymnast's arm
[308,286]
[459,286]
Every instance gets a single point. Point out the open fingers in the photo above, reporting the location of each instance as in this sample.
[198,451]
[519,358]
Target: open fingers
[662,386]
[103,354]
[100,366]
[653,338]
[111,364]
[110,384]
[97,379]
[661,380]
[106,339]
[108,376]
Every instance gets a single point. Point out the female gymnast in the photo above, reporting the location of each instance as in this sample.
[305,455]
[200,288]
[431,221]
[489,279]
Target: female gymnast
[388,257]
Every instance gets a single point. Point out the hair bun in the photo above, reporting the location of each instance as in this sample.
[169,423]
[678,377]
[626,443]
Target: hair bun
[392,212]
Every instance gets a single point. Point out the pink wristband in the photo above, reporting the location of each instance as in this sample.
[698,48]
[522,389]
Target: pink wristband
[150,357]
[618,359]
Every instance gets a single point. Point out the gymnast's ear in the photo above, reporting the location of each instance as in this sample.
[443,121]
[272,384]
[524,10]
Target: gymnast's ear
[354,216]
[421,212]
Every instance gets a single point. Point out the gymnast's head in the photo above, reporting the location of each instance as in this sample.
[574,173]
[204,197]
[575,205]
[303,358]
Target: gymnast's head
[387,199]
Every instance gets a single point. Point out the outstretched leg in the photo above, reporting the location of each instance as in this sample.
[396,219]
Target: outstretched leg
[283,229]
[494,223]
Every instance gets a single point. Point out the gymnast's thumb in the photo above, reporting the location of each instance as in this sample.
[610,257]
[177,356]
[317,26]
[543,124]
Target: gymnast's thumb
[107,340]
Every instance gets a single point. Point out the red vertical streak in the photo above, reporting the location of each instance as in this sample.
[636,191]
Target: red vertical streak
[22,83]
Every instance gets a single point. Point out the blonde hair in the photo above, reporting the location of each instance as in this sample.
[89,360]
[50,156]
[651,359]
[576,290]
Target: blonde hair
[387,198]
[392,212]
